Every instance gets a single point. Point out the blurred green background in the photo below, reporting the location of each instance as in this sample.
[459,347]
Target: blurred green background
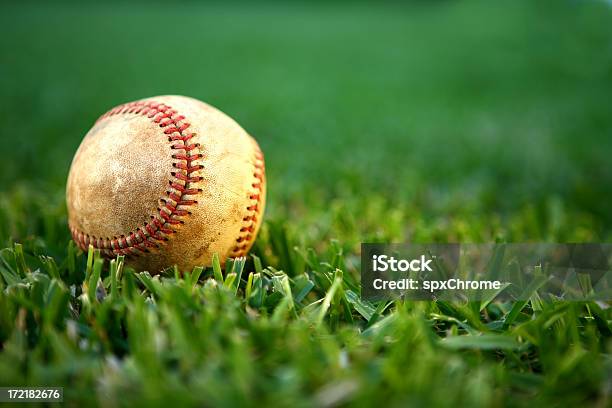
[485,107]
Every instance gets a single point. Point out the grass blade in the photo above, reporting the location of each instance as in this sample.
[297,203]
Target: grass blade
[216,265]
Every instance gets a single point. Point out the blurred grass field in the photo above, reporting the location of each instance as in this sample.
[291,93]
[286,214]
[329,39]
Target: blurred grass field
[442,121]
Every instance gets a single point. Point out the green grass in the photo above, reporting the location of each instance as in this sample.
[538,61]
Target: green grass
[445,122]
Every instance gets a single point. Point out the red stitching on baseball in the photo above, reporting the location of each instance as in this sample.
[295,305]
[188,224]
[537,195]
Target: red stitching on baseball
[154,233]
[243,242]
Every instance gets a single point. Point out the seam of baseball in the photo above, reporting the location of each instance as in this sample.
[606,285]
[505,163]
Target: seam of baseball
[248,230]
[155,233]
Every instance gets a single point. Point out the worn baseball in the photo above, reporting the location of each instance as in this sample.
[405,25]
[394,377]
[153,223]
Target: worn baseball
[165,181]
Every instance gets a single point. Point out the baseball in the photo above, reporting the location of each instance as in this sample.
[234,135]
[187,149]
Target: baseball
[165,181]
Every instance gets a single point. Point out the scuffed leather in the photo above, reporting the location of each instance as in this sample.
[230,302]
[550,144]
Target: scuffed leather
[122,170]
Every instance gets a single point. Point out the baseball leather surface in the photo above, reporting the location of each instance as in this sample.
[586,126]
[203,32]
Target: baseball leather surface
[166,180]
